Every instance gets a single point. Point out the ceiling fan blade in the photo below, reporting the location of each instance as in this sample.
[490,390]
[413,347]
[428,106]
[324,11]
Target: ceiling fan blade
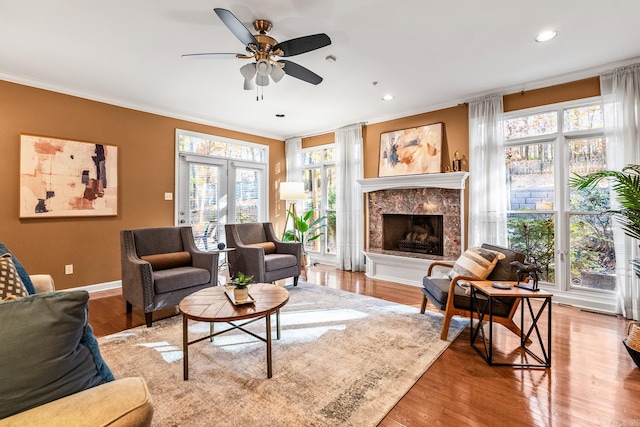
[303,44]
[236,27]
[299,72]
[210,55]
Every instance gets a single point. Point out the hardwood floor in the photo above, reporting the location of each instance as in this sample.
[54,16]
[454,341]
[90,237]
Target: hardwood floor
[592,381]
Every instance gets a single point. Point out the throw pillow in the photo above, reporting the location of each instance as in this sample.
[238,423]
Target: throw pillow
[11,285]
[24,276]
[48,350]
[269,247]
[168,260]
[476,263]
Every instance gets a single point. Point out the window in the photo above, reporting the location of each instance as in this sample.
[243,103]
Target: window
[219,181]
[564,230]
[319,176]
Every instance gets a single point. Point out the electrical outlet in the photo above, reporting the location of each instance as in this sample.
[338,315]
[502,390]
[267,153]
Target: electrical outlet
[68,269]
[168,196]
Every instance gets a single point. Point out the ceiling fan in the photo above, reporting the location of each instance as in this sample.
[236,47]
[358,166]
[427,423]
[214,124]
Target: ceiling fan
[265,50]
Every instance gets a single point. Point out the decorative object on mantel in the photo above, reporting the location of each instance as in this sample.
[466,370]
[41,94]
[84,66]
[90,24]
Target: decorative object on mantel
[457,162]
[67,178]
[411,151]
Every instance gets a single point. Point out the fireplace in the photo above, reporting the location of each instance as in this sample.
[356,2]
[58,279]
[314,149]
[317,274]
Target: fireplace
[412,233]
[412,221]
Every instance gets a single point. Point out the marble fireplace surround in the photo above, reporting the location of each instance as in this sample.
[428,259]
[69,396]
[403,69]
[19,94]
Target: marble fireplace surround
[428,194]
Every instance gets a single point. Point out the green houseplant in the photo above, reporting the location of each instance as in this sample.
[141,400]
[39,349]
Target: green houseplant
[626,185]
[241,283]
[306,229]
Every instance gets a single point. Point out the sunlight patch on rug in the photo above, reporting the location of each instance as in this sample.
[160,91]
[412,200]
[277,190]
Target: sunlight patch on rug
[343,359]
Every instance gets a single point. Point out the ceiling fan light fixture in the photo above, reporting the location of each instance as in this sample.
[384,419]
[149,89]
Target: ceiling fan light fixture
[248,71]
[262,80]
[263,67]
[248,84]
[277,74]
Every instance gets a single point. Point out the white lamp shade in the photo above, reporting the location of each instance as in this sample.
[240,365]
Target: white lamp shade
[248,84]
[277,74]
[262,80]
[248,71]
[291,190]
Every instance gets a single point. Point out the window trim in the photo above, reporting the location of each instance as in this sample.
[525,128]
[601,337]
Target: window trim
[564,292]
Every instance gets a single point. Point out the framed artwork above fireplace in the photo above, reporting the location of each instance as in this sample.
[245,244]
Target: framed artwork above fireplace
[416,150]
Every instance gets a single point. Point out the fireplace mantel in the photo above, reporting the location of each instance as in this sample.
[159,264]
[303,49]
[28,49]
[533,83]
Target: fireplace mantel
[450,180]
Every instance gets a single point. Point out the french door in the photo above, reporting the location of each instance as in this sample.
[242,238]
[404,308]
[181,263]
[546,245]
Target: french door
[212,192]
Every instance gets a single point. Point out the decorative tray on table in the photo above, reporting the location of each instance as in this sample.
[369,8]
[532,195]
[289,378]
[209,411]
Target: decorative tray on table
[228,290]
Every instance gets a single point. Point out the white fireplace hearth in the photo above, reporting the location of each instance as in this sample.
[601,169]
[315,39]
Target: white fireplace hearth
[427,194]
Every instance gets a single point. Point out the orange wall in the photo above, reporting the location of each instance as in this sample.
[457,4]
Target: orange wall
[552,95]
[147,165]
[146,150]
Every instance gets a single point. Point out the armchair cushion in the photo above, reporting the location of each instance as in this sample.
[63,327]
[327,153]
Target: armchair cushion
[168,260]
[11,285]
[48,350]
[275,262]
[174,279]
[437,291]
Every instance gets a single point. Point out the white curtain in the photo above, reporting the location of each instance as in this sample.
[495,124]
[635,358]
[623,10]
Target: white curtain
[293,155]
[349,205]
[621,97]
[487,187]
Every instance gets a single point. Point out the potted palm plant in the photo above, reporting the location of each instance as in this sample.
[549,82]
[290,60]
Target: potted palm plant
[626,185]
[306,229]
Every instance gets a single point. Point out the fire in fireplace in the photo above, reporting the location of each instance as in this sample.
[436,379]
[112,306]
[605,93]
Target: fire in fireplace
[413,233]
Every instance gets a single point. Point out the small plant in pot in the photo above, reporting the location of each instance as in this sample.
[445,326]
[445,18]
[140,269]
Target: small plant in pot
[241,286]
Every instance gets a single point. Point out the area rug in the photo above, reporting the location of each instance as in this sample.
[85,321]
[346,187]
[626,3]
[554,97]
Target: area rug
[343,359]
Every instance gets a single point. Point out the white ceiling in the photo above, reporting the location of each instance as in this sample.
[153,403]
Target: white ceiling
[428,53]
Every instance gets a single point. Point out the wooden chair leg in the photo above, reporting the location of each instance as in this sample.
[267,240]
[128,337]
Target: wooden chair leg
[148,317]
[129,307]
[445,326]
[423,307]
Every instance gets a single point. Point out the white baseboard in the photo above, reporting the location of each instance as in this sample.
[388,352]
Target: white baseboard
[116,284]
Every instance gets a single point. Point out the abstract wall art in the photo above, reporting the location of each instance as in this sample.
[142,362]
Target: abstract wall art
[411,151]
[67,178]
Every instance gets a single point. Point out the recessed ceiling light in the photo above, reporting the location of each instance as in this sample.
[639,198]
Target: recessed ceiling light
[388,97]
[545,36]
[279,115]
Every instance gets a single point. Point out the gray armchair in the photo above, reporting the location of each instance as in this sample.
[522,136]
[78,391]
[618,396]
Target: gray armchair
[162,265]
[259,253]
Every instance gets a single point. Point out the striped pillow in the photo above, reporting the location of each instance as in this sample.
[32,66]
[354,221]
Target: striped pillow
[476,262]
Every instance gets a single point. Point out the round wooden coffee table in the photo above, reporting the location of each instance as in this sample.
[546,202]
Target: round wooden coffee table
[213,305]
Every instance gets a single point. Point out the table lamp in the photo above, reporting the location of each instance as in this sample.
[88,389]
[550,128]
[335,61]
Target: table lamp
[291,191]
